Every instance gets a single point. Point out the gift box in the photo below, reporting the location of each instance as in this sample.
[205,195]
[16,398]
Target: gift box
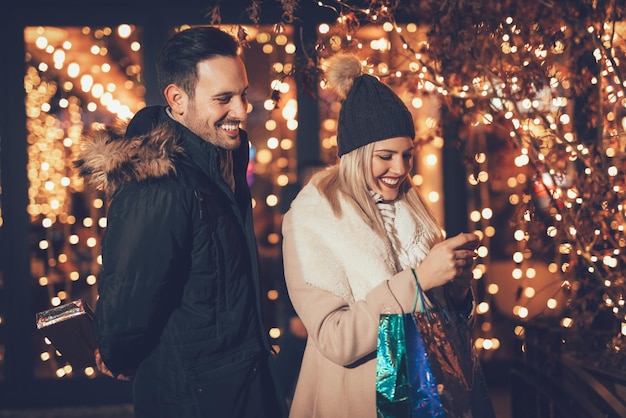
[69,328]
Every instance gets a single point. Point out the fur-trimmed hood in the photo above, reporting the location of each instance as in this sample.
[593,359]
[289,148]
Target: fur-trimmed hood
[109,158]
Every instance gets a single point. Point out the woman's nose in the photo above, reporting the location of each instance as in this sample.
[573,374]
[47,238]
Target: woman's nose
[400,165]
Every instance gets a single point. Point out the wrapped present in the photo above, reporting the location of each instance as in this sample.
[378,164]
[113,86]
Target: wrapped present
[69,328]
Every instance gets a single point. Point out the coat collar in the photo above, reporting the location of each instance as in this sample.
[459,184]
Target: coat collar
[343,255]
[339,255]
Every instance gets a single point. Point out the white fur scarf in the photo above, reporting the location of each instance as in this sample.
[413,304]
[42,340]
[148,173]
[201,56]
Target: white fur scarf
[345,257]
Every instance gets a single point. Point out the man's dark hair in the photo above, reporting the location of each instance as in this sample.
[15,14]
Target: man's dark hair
[178,59]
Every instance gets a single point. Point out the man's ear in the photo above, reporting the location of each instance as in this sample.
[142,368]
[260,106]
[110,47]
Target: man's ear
[176,98]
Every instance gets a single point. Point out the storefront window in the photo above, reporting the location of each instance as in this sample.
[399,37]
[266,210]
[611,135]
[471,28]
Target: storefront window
[76,78]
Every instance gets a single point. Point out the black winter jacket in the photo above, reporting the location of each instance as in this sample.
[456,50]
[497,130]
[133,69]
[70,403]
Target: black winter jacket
[179,297]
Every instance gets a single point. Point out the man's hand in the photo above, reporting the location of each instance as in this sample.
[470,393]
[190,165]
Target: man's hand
[105,370]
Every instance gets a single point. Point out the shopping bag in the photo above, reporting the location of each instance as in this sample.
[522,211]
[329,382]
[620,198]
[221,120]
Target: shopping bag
[405,384]
[427,366]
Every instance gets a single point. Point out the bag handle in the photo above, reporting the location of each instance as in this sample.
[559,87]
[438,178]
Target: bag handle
[419,293]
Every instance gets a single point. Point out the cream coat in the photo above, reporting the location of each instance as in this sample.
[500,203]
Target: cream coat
[341,276]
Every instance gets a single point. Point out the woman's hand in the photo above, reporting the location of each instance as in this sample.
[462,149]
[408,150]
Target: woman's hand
[450,263]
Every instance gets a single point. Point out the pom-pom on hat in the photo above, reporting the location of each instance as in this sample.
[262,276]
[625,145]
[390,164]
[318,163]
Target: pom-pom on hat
[370,111]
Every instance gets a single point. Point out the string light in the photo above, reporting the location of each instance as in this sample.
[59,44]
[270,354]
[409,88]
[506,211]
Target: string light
[540,123]
[555,190]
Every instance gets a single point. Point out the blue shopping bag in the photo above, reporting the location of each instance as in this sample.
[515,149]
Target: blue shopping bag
[405,384]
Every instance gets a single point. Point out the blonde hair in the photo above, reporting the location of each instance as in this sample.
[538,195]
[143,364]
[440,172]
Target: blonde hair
[352,179]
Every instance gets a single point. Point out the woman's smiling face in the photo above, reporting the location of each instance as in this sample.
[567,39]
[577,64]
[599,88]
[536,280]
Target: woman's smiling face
[391,162]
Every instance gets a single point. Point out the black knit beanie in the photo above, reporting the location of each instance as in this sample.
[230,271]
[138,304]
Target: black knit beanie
[371,112]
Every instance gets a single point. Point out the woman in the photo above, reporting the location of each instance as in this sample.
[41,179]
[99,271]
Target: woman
[353,239]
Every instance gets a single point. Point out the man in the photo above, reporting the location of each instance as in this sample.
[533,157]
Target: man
[178,309]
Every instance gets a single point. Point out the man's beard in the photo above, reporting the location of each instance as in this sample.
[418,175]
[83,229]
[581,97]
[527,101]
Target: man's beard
[210,133]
